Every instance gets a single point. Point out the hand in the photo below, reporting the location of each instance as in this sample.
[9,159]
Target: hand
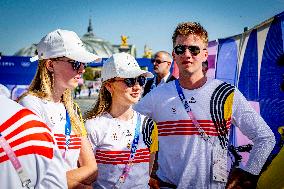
[240,179]
[154,183]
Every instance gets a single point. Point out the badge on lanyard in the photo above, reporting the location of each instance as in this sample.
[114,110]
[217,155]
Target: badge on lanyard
[67,134]
[220,172]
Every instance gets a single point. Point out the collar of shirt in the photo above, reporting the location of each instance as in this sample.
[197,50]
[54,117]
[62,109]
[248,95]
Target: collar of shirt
[163,80]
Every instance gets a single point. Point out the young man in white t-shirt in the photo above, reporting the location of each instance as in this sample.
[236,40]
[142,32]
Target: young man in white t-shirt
[194,115]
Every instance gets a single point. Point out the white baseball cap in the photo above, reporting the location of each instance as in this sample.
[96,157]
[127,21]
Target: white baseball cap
[64,43]
[122,65]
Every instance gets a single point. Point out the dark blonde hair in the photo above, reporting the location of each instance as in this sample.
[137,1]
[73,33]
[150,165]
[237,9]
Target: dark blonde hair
[103,103]
[42,87]
[190,28]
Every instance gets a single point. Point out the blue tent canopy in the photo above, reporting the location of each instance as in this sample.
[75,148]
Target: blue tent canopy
[18,70]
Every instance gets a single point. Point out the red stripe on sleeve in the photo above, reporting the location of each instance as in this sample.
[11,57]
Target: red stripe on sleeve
[25,126]
[39,150]
[19,115]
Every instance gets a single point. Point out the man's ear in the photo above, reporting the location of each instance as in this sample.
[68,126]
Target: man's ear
[49,65]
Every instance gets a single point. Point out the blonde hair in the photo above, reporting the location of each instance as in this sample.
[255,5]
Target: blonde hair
[42,87]
[190,28]
[102,105]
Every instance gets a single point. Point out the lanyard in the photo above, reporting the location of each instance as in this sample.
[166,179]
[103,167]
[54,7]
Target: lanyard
[67,134]
[219,155]
[15,162]
[190,113]
[134,145]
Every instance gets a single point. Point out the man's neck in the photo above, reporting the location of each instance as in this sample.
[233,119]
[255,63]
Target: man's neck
[161,76]
[192,81]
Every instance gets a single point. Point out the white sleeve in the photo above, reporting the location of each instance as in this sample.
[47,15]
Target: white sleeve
[255,128]
[34,105]
[92,133]
[55,176]
[145,105]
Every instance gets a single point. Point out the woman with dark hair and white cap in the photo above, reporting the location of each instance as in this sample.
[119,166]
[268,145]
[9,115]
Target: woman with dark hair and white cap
[124,141]
[61,63]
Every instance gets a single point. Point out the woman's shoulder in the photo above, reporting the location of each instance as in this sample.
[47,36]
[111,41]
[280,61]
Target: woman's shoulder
[30,97]
[30,101]
[98,122]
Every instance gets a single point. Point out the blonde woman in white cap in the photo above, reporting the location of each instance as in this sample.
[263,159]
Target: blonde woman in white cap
[61,63]
[124,141]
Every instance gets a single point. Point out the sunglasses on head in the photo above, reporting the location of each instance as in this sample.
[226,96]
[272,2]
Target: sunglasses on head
[180,49]
[157,61]
[130,82]
[75,64]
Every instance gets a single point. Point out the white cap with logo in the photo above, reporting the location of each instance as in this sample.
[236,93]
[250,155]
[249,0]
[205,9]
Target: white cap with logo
[64,43]
[122,65]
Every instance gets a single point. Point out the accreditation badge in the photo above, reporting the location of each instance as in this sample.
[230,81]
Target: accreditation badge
[220,172]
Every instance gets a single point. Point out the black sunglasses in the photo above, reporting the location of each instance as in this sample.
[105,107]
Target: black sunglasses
[194,50]
[130,82]
[75,64]
[157,61]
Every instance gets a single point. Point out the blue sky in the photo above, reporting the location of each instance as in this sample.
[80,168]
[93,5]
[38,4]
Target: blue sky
[150,22]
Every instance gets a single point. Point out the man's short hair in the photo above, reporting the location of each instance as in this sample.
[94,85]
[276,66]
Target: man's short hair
[164,52]
[190,28]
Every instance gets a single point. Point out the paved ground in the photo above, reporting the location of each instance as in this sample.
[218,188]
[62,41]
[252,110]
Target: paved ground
[86,103]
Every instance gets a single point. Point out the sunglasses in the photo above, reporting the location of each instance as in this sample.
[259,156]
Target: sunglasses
[75,64]
[194,50]
[157,61]
[130,82]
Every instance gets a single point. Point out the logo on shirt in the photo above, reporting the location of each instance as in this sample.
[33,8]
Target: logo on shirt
[192,100]
[114,136]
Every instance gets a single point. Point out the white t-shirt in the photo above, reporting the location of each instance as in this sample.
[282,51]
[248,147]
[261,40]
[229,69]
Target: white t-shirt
[185,159]
[54,115]
[112,139]
[33,144]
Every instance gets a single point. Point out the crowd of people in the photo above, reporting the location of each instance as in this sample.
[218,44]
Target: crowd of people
[143,131]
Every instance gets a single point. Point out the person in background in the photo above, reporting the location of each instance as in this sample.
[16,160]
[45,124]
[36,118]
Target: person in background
[27,150]
[205,67]
[162,63]
[77,91]
[61,64]
[90,87]
[194,115]
[124,141]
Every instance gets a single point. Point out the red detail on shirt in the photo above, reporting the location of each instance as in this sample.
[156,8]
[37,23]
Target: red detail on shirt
[122,157]
[186,127]
[17,116]
[75,141]
[42,141]
[39,150]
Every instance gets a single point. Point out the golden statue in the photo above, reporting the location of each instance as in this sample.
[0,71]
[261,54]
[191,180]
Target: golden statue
[147,52]
[124,41]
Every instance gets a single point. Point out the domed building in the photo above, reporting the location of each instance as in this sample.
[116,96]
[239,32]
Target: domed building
[26,51]
[92,43]
[95,44]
